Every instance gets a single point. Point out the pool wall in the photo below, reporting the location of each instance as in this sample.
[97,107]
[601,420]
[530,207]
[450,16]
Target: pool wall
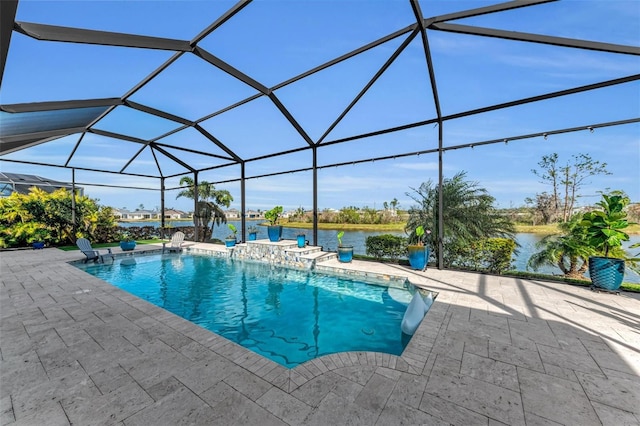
[287,254]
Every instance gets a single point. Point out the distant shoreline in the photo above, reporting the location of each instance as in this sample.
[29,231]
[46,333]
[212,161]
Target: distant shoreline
[390,227]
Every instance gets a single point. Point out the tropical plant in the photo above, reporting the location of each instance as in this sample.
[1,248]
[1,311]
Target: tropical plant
[604,227]
[339,235]
[569,250]
[273,215]
[39,214]
[126,237]
[468,211]
[234,231]
[417,236]
[209,206]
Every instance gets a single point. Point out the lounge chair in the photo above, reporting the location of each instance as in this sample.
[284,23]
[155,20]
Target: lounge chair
[85,246]
[175,244]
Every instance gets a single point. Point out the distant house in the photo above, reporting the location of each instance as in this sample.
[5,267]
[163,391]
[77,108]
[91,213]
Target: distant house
[135,215]
[252,214]
[175,214]
[232,214]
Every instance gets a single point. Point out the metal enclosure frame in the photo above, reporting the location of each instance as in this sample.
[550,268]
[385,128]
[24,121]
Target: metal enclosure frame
[420,28]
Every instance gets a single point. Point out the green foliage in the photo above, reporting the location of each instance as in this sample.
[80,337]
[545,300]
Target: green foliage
[489,254]
[348,215]
[234,231]
[417,236]
[386,246]
[273,215]
[569,250]
[48,217]
[604,228]
[468,213]
[339,236]
[209,206]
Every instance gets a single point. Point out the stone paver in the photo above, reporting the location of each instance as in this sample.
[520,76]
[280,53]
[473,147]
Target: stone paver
[491,351]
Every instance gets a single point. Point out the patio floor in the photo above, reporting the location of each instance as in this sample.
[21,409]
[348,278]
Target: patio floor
[492,350]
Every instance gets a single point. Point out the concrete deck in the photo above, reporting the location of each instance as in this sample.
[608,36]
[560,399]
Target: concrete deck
[491,351]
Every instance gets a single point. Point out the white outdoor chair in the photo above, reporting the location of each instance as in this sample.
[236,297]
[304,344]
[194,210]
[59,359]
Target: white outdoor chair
[175,244]
[85,246]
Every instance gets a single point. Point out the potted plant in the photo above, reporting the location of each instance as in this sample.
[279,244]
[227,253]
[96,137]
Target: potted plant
[604,233]
[126,242]
[253,233]
[38,238]
[418,253]
[274,230]
[302,240]
[345,252]
[230,241]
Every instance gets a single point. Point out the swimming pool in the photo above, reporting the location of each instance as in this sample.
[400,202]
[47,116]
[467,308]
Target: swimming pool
[289,316]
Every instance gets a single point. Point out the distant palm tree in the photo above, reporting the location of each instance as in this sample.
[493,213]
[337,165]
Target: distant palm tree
[209,206]
[569,250]
[468,211]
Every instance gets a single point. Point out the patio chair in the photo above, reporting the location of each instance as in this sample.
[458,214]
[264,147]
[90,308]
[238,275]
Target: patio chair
[85,246]
[175,244]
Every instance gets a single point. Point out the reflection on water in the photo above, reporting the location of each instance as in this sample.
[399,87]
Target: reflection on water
[327,239]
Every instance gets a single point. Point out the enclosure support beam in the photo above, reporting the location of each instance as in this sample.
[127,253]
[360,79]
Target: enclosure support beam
[73,201]
[243,206]
[162,205]
[195,204]
[315,195]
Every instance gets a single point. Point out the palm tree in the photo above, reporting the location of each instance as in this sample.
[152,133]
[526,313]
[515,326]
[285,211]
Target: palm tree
[468,211]
[569,250]
[209,206]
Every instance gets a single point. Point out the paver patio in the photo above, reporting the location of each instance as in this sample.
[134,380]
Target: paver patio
[492,350]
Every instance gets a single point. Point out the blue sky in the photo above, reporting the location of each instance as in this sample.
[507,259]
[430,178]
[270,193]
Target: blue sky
[274,40]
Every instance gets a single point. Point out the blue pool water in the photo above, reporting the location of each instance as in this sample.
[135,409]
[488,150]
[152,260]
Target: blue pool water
[286,315]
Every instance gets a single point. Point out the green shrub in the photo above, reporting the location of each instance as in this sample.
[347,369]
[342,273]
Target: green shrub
[386,246]
[490,255]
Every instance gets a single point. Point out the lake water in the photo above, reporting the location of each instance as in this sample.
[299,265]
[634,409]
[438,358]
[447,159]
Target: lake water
[327,239]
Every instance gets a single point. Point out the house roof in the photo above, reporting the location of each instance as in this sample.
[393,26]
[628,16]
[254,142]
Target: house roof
[18,182]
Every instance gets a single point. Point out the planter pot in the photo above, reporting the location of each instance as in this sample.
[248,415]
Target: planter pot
[38,245]
[253,236]
[606,272]
[345,254]
[301,240]
[418,257]
[127,245]
[230,242]
[274,232]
